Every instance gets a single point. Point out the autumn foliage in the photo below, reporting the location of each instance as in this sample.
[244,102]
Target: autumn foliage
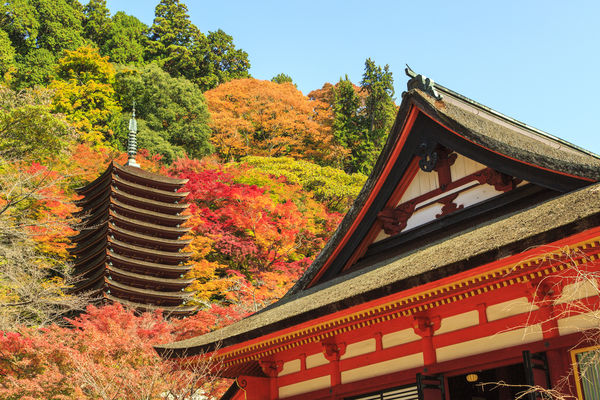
[253,117]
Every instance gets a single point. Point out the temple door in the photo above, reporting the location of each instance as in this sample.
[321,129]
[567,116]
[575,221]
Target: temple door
[431,387]
[536,373]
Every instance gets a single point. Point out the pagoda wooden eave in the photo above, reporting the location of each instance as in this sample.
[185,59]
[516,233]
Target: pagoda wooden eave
[125,262]
[155,194]
[153,205]
[112,284]
[144,215]
[149,178]
[159,242]
[159,230]
[147,253]
[153,280]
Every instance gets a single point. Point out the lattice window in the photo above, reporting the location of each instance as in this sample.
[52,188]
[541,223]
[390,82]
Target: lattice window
[400,393]
[586,366]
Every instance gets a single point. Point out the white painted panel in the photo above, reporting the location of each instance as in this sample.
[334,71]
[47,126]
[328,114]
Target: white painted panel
[383,368]
[509,308]
[464,166]
[424,215]
[578,290]
[359,348]
[476,195]
[399,337]
[314,360]
[423,182]
[460,321]
[310,385]
[579,323]
[290,367]
[490,343]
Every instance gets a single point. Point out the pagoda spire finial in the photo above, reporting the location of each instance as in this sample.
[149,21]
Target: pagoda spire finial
[132,140]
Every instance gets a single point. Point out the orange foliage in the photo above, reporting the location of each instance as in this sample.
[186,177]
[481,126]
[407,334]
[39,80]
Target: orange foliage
[253,117]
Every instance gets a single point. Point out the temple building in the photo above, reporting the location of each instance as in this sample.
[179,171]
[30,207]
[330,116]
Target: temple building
[469,258]
[130,248]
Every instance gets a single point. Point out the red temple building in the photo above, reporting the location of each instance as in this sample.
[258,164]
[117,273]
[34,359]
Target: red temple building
[470,257]
[130,249]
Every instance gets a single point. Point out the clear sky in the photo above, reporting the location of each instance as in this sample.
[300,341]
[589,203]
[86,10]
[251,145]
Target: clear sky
[536,61]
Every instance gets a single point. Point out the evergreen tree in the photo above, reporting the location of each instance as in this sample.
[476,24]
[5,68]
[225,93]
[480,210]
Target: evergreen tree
[125,42]
[7,54]
[97,22]
[172,32]
[282,78]
[380,109]
[173,116]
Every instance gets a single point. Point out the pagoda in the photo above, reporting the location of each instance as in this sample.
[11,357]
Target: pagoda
[130,248]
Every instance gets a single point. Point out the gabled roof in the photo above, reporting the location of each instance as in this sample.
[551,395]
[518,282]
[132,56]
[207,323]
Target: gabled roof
[564,173]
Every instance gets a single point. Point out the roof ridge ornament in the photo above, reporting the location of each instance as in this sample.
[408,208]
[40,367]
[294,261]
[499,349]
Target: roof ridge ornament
[421,82]
[132,140]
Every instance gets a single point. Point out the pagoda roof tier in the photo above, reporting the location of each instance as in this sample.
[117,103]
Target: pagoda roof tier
[151,179]
[89,205]
[155,268]
[89,255]
[147,227]
[89,241]
[146,293]
[90,282]
[147,215]
[137,238]
[156,281]
[148,192]
[85,269]
[93,185]
[147,253]
[183,310]
[152,205]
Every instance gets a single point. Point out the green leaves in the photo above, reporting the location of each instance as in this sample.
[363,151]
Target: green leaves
[172,113]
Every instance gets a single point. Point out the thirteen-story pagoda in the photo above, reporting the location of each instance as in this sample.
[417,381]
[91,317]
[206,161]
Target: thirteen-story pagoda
[130,249]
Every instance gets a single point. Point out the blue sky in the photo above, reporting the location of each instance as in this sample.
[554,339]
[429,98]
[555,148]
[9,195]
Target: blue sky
[536,61]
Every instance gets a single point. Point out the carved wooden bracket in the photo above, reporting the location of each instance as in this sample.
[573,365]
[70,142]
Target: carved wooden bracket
[425,326]
[271,368]
[501,182]
[395,219]
[449,206]
[429,156]
[333,351]
[545,291]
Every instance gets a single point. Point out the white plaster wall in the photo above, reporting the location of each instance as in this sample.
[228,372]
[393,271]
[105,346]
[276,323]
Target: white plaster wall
[310,385]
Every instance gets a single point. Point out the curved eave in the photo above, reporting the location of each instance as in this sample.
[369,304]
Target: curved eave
[178,283]
[155,294]
[93,253]
[157,241]
[166,219]
[184,310]
[160,230]
[90,187]
[149,178]
[94,281]
[150,266]
[89,205]
[98,263]
[151,193]
[151,253]
[90,240]
[153,205]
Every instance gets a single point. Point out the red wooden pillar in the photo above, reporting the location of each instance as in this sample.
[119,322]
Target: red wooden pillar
[333,352]
[272,369]
[426,327]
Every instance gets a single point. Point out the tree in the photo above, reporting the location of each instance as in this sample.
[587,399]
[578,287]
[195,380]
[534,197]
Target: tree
[330,186]
[173,116]
[84,92]
[28,128]
[7,54]
[125,40]
[171,33]
[282,78]
[96,22]
[252,117]
[218,61]
[380,109]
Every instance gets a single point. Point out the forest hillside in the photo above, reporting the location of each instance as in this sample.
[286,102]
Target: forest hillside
[271,172]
